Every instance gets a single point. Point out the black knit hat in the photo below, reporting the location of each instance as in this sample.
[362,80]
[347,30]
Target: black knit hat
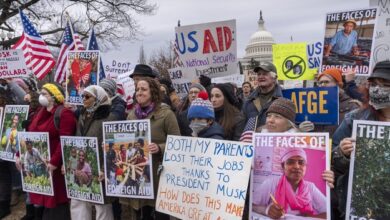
[228,92]
[143,70]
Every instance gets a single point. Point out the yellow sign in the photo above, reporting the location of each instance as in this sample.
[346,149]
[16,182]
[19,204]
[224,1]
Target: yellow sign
[291,61]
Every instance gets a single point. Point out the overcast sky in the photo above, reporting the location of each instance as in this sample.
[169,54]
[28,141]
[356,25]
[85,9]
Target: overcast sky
[304,20]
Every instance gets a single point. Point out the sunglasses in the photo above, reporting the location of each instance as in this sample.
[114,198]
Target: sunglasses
[86,97]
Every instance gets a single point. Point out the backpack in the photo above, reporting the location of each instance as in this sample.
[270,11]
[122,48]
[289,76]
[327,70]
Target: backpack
[57,116]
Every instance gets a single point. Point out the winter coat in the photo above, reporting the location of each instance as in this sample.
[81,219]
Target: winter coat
[118,109]
[184,123]
[215,131]
[239,124]
[43,121]
[162,123]
[249,109]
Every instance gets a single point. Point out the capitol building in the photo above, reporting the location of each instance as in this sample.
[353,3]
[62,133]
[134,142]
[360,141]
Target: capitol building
[259,49]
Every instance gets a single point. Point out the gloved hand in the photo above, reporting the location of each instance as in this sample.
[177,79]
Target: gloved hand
[306,126]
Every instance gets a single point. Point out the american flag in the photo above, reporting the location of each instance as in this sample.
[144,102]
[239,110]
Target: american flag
[71,41]
[36,53]
[176,56]
[93,45]
[249,129]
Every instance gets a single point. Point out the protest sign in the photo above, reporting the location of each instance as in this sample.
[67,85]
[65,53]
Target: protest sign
[199,179]
[314,55]
[281,159]
[208,49]
[127,160]
[348,40]
[181,80]
[34,157]
[125,86]
[81,163]
[237,79]
[368,191]
[381,44]
[82,71]
[251,77]
[12,64]
[13,117]
[319,105]
[115,65]
[290,61]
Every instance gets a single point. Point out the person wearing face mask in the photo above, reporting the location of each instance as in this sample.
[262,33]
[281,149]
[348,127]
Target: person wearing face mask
[52,97]
[118,105]
[201,117]
[376,109]
[95,111]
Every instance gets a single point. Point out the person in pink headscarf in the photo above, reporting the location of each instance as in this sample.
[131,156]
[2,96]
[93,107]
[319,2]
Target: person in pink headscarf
[292,193]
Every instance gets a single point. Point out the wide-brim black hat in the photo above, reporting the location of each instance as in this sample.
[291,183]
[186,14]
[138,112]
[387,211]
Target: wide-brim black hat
[143,70]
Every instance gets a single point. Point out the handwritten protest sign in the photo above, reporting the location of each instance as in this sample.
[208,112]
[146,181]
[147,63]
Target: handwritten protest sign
[12,64]
[368,192]
[115,65]
[250,77]
[381,44]
[199,179]
[280,160]
[181,80]
[125,86]
[237,79]
[318,105]
[127,160]
[290,61]
[81,162]
[208,49]
[348,40]
[13,117]
[82,71]
[314,54]
[34,157]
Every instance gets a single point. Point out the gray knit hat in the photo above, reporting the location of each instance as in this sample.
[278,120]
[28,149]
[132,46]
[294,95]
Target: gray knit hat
[109,85]
[198,86]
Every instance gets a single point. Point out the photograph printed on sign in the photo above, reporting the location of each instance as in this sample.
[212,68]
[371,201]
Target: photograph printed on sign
[13,117]
[287,176]
[81,163]
[127,160]
[82,71]
[348,40]
[34,157]
[368,188]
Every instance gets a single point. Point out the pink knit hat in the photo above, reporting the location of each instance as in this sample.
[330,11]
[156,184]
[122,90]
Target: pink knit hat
[290,152]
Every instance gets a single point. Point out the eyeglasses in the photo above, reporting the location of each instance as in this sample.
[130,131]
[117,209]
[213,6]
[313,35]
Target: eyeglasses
[86,97]
[293,162]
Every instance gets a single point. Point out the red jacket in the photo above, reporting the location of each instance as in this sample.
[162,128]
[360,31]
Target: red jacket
[43,121]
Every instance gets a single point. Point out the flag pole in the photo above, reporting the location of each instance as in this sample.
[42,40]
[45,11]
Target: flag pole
[69,22]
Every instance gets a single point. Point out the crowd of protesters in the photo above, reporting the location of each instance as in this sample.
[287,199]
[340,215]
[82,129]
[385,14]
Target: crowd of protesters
[217,111]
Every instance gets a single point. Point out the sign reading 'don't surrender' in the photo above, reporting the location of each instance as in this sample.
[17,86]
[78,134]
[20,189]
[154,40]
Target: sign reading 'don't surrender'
[200,181]
[12,64]
[208,49]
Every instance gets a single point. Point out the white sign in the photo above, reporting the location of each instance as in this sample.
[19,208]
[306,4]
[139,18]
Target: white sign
[12,64]
[114,66]
[181,80]
[237,79]
[208,49]
[126,86]
[204,178]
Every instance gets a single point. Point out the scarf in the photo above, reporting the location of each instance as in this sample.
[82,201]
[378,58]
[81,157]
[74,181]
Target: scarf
[301,201]
[142,113]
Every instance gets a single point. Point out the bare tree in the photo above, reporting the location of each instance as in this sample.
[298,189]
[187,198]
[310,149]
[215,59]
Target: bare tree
[161,59]
[112,20]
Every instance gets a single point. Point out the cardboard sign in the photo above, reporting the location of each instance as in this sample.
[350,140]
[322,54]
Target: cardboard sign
[127,160]
[80,157]
[348,46]
[280,157]
[290,61]
[368,194]
[381,44]
[13,117]
[208,49]
[318,105]
[34,156]
[12,64]
[200,181]
[181,80]
[82,71]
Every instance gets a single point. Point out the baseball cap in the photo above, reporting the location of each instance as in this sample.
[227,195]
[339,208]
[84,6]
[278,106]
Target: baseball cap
[266,66]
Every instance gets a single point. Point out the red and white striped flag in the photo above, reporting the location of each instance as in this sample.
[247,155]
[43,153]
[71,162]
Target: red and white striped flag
[71,41]
[249,129]
[36,53]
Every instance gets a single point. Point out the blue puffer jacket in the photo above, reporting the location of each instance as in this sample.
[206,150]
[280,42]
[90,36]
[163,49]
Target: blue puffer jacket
[215,131]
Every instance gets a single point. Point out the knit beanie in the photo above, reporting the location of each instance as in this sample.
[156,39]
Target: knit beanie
[198,86]
[205,80]
[55,91]
[335,73]
[284,107]
[228,93]
[201,107]
[109,85]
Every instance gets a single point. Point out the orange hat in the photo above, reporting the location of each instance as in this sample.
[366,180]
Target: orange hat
[335,73]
